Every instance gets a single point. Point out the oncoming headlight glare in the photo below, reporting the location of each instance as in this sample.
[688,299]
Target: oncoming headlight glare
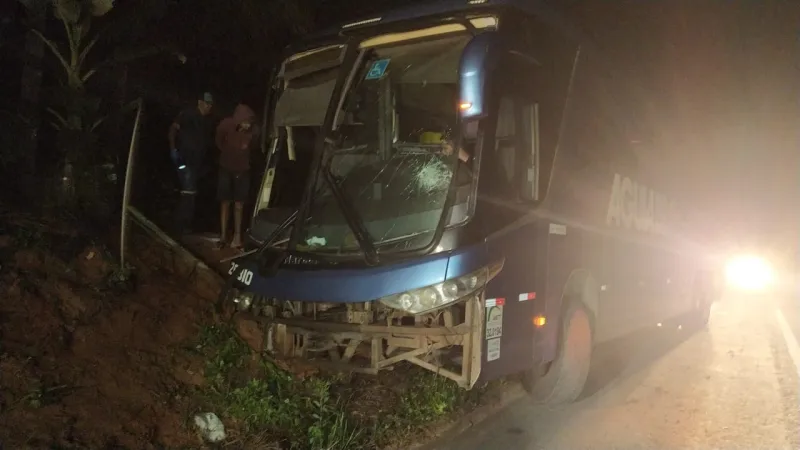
[432,297]
[749,273]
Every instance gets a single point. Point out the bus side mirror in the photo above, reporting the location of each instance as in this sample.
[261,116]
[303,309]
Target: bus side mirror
[476,62]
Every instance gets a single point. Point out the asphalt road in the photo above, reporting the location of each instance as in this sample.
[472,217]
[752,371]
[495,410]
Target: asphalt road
[732,386]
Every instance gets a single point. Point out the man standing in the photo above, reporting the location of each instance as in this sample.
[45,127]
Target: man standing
[234,139]
[188,142]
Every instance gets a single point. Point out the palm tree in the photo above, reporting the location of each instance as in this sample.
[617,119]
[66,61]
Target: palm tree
[78,116]
[75,112]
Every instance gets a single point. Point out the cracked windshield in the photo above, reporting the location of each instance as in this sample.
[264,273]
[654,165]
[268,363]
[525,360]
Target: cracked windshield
[393,154]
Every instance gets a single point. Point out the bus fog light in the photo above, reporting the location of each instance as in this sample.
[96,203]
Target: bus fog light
[243,301]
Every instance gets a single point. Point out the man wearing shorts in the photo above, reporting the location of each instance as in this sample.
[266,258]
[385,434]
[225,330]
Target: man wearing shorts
[234,139]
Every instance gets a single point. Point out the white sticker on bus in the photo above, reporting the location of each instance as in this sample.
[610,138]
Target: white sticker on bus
[491,302]
[245,277]
[557,228]
[493,349]
[494,322]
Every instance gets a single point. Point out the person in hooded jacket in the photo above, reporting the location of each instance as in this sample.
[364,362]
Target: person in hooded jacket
[234,138]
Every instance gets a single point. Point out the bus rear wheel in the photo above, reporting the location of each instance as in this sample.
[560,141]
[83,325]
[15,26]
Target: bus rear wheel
[565,379]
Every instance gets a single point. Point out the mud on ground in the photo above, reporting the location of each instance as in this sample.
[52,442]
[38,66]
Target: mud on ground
[84,364]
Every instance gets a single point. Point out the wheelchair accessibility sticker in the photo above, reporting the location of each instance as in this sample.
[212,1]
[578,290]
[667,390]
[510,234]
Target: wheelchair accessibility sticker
[378,69]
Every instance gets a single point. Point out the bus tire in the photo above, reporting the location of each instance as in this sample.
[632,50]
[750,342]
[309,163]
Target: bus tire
[565,379]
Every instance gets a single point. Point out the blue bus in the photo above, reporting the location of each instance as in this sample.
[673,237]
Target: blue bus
[451,185]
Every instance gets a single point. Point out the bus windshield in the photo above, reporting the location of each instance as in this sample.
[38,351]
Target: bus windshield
[392,155]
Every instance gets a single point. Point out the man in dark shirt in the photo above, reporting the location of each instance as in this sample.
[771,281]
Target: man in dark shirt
[234,139]
[188,140]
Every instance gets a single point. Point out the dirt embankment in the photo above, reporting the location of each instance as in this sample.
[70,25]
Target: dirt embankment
[88,361]
[84,362]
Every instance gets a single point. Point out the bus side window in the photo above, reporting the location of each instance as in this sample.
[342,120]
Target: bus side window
[517,149]
[527,170]
[497,160]
[506,142]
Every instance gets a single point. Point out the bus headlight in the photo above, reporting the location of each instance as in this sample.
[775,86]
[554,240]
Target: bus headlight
[432,297]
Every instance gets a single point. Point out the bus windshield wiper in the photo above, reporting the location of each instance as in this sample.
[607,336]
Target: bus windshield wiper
[351,216]
[277,232]
[258,253]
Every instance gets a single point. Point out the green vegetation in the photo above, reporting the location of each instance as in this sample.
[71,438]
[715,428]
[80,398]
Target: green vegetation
[264,403]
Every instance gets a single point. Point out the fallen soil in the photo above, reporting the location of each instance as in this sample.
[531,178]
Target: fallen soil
[86,365]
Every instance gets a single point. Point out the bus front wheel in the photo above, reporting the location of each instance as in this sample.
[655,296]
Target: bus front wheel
[564,380]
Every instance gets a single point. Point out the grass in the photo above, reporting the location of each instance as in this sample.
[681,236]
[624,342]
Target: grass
[26,237]
[259,400]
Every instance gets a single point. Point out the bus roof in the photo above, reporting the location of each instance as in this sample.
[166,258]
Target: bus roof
[443,8]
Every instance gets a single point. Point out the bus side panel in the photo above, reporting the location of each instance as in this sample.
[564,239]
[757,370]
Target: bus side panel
[591,151]
[640,279]
[564,254]
[521,287]
[628,267]
[587,265]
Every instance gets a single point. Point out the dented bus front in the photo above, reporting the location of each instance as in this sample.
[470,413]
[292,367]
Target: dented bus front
[381,259]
